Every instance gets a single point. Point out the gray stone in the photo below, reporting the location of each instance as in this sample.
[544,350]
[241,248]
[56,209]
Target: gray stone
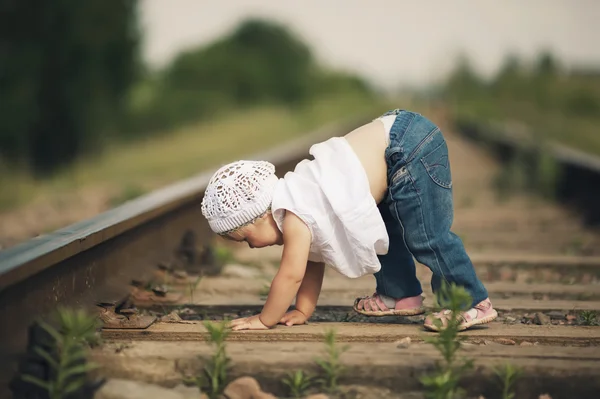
[556,315]
[125,389]
[541,319]
[246,388]
[403,343]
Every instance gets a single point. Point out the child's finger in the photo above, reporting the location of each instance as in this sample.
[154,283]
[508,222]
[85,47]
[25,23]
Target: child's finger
[237,322]
[241,326]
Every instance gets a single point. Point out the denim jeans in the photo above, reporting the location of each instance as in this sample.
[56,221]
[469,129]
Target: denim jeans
[418,213]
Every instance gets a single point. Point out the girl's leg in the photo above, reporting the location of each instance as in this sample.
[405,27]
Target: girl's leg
[398,290]
[420,199]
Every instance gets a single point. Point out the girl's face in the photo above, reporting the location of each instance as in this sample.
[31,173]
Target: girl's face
[262,233]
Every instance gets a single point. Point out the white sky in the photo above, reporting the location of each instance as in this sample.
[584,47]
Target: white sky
[390,42]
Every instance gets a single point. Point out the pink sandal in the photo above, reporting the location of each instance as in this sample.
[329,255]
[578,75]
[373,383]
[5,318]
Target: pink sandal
[375,306]
[481,313]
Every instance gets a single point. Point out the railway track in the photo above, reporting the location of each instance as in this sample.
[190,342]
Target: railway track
[539,262]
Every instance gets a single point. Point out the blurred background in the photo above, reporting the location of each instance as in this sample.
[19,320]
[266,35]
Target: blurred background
[104,100]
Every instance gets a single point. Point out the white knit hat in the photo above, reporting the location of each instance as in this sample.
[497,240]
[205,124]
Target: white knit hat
[238,193]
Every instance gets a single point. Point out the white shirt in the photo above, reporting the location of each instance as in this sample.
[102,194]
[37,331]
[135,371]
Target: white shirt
[331,195]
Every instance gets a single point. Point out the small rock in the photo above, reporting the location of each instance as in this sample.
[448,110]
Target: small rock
[491,343]
[246,388]
[241,271]
[571,318]
[171,317]
[526,343]
[124,389]
[403,343]
[505,341]
[541,319]
[318,396]
[189,392]
[556,315]
[510,319]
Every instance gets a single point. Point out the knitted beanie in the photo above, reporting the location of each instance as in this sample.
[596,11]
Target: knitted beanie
[237,194]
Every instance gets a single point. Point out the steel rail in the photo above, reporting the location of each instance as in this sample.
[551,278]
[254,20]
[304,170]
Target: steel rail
[95,260]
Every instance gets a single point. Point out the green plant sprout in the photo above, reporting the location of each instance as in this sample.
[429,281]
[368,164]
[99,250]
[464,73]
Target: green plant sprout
[298,383]
[214,379]
[331,365]
[66,355]
[508,376]
[444,382]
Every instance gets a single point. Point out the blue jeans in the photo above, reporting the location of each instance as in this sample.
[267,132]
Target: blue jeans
[418,213]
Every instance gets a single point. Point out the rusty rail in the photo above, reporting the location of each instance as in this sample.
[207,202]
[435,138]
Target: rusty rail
[95,260]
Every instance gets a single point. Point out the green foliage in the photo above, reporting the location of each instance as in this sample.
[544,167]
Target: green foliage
[66,356]
[192,287]
[264,290]
[555,104]
[508,376]
[223,254]
[444,382]
[298,383]
[588,318]
[214,379]
[331,365]
[259,62]
[64,73]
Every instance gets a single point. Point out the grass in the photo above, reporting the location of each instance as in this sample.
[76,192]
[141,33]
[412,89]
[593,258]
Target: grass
[573,131]
[298,383]
[215,374]
[66,355]
[331,365]
[588,318]
[444,382]
[508,376]
[127,170]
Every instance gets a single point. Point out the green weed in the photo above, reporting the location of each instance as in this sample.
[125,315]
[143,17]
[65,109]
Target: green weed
[331,365]
[192,287]
[588,318]
[508,375]
[66,353]
[298,383]
[214,379]
[444,382]
[224,255]
[264,291]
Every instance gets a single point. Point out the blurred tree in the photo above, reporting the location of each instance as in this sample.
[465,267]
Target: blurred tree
[510,78]
[259,62]
[65,66]
[547,64]
[463,81]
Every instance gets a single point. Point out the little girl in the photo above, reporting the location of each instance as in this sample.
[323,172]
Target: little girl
[367,203]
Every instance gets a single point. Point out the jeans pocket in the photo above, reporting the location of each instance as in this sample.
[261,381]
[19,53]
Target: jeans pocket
[437,165]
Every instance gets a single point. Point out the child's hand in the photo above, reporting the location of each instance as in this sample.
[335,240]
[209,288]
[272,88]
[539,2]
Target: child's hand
[248,323]
[293,317]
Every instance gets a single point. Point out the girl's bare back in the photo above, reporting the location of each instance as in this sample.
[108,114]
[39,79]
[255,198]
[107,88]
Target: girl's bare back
[369,143]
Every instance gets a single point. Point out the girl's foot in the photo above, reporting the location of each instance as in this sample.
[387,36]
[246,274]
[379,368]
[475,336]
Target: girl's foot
[381,305]
[481,313]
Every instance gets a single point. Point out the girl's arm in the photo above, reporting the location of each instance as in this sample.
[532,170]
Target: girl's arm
[309,291]
[287,281]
